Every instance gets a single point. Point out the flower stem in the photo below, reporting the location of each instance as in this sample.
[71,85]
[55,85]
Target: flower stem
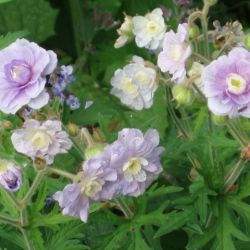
[62,173]
[87,136]
[34,187]
[174,117]
[201,58]
[8,220]
[13,199]
[234,174]
[236,134]
[27,239]
[124,208]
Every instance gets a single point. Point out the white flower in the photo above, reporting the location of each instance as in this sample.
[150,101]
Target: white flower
[149,30]
[176,51]
[135,84]
[125,32]
[41,140]
[195,73]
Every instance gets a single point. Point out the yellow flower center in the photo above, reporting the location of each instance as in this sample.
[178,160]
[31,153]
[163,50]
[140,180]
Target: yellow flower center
[129,87]
[91,187]
[41,139]
[142,78]
[236,84]
[152,27]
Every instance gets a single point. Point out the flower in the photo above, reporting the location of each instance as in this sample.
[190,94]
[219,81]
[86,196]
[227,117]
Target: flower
[149,30]
[93,186]
[125,32]
[23,75]
[10,176]
[137,160]
[135,84]
[43,140]
[227,84]
[176,51]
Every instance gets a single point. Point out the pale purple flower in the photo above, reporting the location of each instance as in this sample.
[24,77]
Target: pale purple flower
[94,185]
[23,69]
[176,51]
[227,84]
[44,140]
[137,160]
[10,176]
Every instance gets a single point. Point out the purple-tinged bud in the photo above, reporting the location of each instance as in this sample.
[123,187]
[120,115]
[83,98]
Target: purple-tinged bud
[10,176]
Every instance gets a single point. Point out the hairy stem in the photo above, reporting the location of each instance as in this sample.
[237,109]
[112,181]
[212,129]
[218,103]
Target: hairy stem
[34,186]
[8,220]
[87,136]
[27,239]
[62,173]
[234,174]
[178,124]
[13,199]
[124,208]
[236,134]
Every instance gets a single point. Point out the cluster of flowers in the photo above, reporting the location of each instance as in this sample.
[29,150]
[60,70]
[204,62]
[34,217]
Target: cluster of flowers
[225,82]
[38,141]
[25,73]
[135,84]
[125,167]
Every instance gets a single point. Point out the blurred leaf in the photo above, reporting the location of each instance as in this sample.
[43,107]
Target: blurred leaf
[38,18]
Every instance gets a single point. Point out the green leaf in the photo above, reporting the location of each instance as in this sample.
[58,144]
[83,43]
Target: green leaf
[11,37]
[36,17]
[138,242]
[51,219]
[174,221]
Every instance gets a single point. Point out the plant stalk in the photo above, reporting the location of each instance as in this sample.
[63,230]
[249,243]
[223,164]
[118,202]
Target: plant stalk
[234,174]
[124,208]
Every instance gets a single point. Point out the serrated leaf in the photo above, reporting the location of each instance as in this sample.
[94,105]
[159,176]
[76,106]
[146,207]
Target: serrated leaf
[38,18]
[173,221]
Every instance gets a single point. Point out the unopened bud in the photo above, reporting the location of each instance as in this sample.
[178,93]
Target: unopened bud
[193,31]
[40,163]
[219,119]
[73,129]
[247,41]
[182,94]
[93,150]
[7,124]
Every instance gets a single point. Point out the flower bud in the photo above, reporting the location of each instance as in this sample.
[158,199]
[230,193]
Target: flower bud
[219,120]
[7,124]
[73,129]
[210,2]
[10,176]
[40,163]
[193,31]
[93,150]
[247,41]
[182,94]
